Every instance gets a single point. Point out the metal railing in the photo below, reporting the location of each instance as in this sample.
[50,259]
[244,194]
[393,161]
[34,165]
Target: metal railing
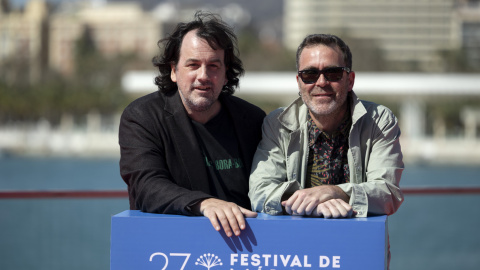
[85,194]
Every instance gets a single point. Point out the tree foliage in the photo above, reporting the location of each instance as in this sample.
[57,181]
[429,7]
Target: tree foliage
[94,86]
[96,83]
[263,56]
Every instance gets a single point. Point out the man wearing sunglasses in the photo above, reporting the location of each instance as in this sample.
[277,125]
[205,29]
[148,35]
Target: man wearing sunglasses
[328,154]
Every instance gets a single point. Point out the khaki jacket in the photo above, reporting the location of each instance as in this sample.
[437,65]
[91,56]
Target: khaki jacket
[374,158]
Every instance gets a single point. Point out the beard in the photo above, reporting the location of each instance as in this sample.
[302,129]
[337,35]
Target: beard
[199,101]
[326,108]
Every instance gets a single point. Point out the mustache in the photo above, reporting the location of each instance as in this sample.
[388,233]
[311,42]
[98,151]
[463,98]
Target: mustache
[200,85]
[325,90]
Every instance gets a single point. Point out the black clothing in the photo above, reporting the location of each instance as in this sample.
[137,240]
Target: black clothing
[218,142]
[161,160]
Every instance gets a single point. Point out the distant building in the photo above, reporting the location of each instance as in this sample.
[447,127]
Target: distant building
[469,14]
[405,31]
[24,36]
[115,28]
[46,38]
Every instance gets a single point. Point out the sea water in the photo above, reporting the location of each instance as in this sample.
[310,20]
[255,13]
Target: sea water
[428,231]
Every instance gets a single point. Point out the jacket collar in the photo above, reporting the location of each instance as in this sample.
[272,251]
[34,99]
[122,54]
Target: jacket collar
[173,103]
[358,109]
[180,126]
[295,115]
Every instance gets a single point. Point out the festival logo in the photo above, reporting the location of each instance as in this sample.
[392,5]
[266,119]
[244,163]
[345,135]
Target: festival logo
[208,261]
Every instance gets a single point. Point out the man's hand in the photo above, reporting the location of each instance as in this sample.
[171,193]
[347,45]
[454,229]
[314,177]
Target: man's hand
[326,200]
[334,208]
[230,215]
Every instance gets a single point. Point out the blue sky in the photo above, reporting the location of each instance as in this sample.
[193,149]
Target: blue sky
[20,3]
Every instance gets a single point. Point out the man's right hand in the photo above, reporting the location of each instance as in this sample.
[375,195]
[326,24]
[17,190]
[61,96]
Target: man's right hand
[227,214]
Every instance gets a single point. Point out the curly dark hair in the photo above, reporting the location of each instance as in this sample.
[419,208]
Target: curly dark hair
[217,33]
[328,40]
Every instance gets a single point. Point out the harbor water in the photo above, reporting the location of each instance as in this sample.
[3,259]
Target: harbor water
[428,232]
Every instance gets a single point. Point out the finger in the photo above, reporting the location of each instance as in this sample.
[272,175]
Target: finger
[333,205]
[338,210]
[292,198]
[297,207]
[233,217]
[325,211]
[288,203]
[306,207]
[224,221]
[310,209]
[287,208]
[301,208]
[213,219]
[348,208]
[308,203]
[237,218]
[317,212]
[247,213]
[344,208]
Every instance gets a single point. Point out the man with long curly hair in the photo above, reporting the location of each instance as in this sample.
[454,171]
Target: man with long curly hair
[187,149]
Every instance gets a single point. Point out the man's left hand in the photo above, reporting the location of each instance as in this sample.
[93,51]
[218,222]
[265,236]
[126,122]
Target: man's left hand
[312,202]
[334,208]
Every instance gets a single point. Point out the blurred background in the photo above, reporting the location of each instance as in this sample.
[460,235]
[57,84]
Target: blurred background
[69,67]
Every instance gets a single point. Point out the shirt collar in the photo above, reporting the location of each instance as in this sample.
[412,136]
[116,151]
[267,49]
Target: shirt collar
[343,130]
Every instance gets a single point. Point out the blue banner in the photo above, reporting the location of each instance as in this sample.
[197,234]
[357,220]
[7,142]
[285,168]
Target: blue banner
[153,241]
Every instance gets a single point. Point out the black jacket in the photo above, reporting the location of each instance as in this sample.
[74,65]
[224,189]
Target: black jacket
[161,161]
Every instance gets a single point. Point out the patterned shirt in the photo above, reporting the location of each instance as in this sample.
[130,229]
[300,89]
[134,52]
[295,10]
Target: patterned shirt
[327,157]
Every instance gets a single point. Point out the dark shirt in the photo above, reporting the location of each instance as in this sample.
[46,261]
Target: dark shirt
[225,167]
[327,157]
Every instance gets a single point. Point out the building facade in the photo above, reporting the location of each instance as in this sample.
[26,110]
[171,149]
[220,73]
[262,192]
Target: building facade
[405,31]
[24,36]
[469,14]
[115,28]
[48,38]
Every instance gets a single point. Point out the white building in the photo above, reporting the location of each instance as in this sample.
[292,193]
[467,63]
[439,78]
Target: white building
[405,31]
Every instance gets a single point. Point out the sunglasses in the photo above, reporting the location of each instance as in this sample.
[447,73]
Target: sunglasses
[332,74]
